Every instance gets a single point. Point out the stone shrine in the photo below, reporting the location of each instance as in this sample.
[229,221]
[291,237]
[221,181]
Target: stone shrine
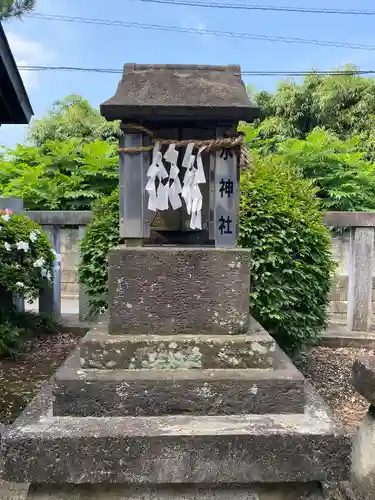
[181,394]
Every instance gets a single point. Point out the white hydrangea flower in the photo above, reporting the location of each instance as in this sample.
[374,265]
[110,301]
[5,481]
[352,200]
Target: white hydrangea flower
[49,276]
[5,217]
[34,235]
[22,245]
[19,284]
[7,246]
[43,272]
[39,262]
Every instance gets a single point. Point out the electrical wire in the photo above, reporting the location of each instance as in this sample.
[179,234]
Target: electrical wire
[247,73]
[274,8]
[157,27]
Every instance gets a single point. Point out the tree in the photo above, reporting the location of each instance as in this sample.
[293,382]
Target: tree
[342,104]
[69,160]
[60,175]
[15,8]
[72,118]
[324,129]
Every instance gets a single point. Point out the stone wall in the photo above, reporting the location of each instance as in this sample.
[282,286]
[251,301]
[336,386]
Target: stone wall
[69,262]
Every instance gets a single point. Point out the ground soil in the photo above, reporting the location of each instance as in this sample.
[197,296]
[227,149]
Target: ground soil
[21,378]
[328,369]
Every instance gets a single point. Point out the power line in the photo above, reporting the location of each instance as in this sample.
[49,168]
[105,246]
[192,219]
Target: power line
[274,8]
[195,31]
[247,73]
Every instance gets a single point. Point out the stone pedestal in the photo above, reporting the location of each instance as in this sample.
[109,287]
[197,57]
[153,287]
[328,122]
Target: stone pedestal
[147,404]
[178,290]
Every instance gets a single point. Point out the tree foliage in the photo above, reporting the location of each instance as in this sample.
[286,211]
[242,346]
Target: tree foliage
[342,104]
[324,129]
[15,8]
[64,175]
[72,118]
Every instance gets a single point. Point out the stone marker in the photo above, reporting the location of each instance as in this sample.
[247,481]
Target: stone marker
[182,394]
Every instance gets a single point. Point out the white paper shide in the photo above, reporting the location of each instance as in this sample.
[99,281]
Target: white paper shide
[165,188]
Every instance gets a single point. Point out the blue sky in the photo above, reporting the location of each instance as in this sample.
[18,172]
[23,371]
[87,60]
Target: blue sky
[55,43]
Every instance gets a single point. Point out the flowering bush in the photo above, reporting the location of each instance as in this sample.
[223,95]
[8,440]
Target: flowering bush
[26,257]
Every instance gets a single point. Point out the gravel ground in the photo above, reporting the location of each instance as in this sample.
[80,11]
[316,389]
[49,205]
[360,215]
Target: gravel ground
[329,370]
[21,378]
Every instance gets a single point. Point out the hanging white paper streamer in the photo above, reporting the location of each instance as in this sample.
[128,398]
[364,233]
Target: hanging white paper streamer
[174,187]
[170,192]
[156,171]
[191,191]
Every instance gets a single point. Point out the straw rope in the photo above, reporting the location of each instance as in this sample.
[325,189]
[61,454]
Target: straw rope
[237,143]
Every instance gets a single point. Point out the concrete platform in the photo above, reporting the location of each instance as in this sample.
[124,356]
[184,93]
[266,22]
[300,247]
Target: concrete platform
[255,492]
[103,351]
[338,335]
[117,393]
[40,448]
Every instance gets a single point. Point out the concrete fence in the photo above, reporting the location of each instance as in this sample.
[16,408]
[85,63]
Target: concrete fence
[352,297]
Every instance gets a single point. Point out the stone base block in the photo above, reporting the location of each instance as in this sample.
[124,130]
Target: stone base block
[102,351]
[178,290]
[310,491]
[363,459]
[114,393]
[363,378]
[40,448]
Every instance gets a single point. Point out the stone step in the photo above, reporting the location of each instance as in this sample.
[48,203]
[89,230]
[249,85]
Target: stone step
[40,448]
[310,491]
[117,393]
[103,351]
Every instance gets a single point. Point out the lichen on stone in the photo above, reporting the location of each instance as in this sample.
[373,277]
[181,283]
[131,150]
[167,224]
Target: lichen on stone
[167,357]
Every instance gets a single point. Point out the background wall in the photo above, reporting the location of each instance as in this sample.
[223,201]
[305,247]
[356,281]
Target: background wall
[338,297]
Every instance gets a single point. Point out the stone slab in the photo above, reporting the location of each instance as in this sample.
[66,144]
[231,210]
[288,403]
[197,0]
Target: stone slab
[117,393]
[363,459]
[310,491]
[40,448]
[178,290]
[102,351]
[363,377]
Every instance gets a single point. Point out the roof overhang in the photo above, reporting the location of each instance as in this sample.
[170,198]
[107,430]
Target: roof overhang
[15,107]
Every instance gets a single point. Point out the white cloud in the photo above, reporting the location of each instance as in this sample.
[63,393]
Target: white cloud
[28,52]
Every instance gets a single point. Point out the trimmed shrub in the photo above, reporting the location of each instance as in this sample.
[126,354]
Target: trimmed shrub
[26,266]
[101,235]
[281,222]
[26,256]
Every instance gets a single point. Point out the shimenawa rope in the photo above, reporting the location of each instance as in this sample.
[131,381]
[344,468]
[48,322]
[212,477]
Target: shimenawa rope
[237,143]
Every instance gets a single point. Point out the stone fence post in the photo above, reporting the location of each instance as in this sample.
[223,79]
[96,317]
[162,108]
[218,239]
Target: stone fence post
[361,255]
[363,452]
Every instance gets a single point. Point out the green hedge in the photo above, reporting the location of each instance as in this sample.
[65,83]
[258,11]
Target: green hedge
[281,222]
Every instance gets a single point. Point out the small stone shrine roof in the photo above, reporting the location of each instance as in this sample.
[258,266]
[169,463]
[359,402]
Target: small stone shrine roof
[183,92]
